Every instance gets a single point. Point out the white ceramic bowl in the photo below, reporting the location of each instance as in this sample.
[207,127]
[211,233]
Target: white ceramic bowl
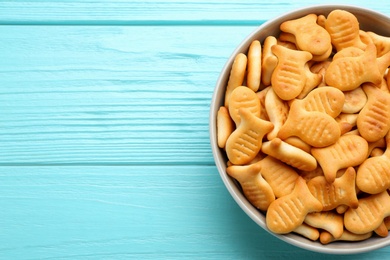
[369,20]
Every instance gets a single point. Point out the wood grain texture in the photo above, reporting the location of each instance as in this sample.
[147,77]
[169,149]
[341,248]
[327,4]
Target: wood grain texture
[130,212]
[109,95]
[152,12]
[110,212]
[104,143]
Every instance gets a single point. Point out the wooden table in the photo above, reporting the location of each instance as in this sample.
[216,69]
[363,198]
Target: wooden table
[104,142]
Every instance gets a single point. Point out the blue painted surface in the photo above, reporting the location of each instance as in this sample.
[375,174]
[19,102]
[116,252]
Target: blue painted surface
[104,131]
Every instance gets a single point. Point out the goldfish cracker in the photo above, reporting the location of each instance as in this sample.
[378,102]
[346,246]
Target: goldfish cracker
[348,151]
[254,66]
[225,126]
[309,35]
[287,213]
[237,75]
[243,97]
[245,142]
[306,128]
[289,77]
[255,188]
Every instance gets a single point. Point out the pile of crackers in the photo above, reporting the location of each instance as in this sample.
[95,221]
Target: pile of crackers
[305,127]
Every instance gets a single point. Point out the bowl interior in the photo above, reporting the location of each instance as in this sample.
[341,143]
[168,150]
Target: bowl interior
[369,20]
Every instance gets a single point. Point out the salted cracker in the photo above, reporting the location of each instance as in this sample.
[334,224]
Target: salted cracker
[255,188]
[243,97]
[245,142]
[277,111]
[289,154]
[237,75]
[309,35]
[373,121]
[326,220]
[225,126]
[369,214]
[340,192]
[287,213]
[344,29]
[289,77]
[254,66]
[348,151]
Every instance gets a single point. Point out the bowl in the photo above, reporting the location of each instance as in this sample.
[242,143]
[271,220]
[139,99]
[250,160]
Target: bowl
[369,20]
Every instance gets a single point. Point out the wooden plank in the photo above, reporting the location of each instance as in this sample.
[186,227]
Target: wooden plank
[133,212]
[155,12]
[109,95]
[136,212]
[71,212]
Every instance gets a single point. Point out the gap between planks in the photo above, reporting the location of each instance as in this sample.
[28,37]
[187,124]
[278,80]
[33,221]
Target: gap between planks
[135,23]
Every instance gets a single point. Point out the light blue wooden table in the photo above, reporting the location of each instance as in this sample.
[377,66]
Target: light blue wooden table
[104,143]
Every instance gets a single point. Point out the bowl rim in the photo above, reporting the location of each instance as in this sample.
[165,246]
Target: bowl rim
[339,247]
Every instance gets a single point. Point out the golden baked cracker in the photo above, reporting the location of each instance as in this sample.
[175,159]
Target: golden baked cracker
[387,80]
[353,132]
[373,175]
[285,37]
[383,86]
[320,68]
[269,60]
[340,192]
[342,209]
[348,52]
[297,142]
[381,143]
[245,142]
[348,151]
[312,81]
[373,121]
[225,126]
[354,101]
[260,156]
[326,220]
[280,177]
[346,122]
[237,75]
[376,152]
[382,43]
[309,35]
[324,56]
[345,127]
[382,230]
[289,77]
[288,45]
[254,66]
[316,67]
[307,231]
[343,28]
[365,37]
[383,62]
[386,221]
[326,237]
[348,118]
[289,154]
[308,175]
[321,19]
[277,111]
[243,98]
[348,73]
[328,100]
[369,214]
[315,128]
[261,95]
[255,188]
[287,213]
